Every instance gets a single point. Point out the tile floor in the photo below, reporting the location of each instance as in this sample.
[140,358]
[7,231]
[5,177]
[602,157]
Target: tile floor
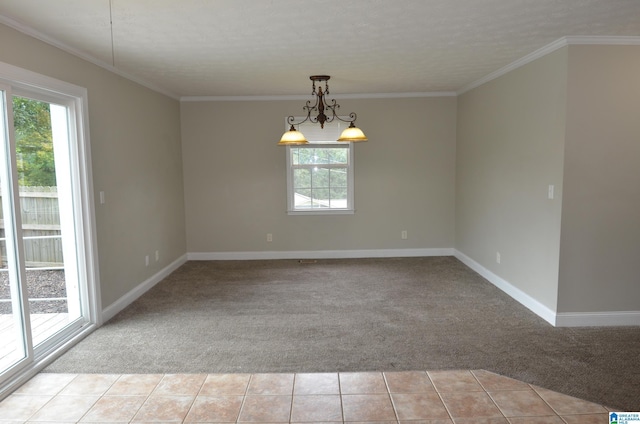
[421,397]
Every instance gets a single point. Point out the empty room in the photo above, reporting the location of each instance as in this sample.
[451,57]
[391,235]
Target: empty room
[285,211]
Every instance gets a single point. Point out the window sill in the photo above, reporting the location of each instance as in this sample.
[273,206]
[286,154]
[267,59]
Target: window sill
[322,212]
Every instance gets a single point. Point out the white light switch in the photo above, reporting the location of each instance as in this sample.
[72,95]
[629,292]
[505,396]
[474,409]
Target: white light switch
[551,189]
[102,197]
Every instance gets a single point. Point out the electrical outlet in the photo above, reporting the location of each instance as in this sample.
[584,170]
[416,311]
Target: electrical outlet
[403,235]
[498,259]
[269,237]
[551,191]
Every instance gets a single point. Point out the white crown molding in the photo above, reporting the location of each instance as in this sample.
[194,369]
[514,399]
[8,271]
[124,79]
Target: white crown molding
[549,48]
[603,40]
[82,55]
[306,97]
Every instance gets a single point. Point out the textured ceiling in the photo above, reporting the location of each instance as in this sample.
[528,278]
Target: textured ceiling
[270,47]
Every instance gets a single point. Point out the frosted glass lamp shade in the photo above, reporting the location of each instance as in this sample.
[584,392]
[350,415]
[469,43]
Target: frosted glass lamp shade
[352,134]
[292,137]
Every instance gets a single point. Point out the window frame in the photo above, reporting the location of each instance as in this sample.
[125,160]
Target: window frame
[291,209]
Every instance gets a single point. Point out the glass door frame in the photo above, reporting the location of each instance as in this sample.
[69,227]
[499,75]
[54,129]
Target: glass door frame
[14,242]
[22,82]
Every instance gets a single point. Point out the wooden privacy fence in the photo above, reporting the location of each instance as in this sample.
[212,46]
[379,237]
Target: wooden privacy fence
[40,227]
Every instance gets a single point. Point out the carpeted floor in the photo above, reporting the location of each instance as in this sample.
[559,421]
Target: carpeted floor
[355,315]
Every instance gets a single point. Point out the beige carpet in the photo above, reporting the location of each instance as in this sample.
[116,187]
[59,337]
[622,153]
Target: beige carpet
[355,315]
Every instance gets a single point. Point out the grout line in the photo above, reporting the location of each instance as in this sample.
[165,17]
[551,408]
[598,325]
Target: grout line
[193,402]
[393,405]
[484,390]
[244,398]
[435,388]
[340,394]
[531,386]
[293,386]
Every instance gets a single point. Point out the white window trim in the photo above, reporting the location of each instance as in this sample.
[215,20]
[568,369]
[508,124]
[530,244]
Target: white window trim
[76,98]
[350,210]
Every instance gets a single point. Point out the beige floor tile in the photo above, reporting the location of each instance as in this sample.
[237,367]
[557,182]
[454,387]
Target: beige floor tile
[90,384]
[537,420]
[419,406]
[46,384]
[21,407]
[266,409]
[354,383]
[567,405]
[114,409]
[586,419]
[180,385]
[54,422]
[65,408]
[370,397]
[271,384]
[225,385]
[408,382]
[492,382]
[521,403]
[316,408]
[380,422]
[316,384]
[218,409]
[470,405]
[373,407]
[134,385]
[164,409]
[454,381]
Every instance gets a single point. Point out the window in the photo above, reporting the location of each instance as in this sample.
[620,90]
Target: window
[320,174]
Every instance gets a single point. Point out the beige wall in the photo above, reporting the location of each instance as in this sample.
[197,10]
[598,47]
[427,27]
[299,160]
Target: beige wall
[600,243]
[235,181]
[136,159]
[470,173]
[509,150]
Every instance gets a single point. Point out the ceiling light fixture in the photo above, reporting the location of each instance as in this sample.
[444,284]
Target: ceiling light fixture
[351,134]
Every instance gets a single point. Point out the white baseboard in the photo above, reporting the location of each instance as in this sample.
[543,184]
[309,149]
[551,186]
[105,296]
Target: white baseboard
[319,254]
[557,319]
[529,302]
[563,319]
[601,319]
[117,306]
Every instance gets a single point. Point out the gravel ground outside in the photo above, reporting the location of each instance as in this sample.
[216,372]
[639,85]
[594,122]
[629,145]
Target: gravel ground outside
[40,285]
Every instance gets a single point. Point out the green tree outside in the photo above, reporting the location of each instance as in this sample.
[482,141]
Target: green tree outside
[34,142]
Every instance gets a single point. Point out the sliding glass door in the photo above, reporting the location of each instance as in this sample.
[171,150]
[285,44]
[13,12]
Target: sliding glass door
[13,319]
[47,284]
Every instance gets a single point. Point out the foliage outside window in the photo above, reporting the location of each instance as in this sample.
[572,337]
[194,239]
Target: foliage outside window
[34,143]
[320,174]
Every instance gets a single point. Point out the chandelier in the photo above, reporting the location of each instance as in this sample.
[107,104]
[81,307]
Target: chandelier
[350,134]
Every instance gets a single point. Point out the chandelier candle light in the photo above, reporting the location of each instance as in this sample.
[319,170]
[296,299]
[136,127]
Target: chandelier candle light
[351,134]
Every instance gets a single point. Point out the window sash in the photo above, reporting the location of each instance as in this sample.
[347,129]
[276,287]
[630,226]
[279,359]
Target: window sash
[338,198]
